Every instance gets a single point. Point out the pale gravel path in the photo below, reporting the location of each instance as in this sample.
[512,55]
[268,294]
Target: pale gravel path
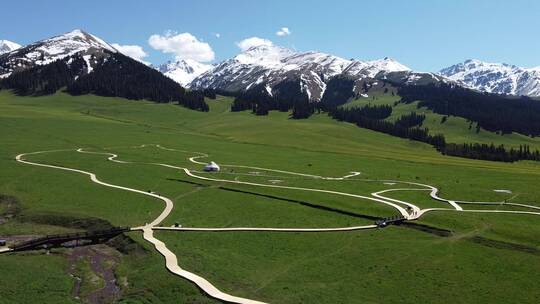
[170,257]
[415,209]
[171,262]
[424,211]
[434,193]
[399,208]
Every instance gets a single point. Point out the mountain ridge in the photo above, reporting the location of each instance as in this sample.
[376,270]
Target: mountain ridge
[81,63]
[500,78]
[183,71]
[7,46]
[48,50]
[270,65]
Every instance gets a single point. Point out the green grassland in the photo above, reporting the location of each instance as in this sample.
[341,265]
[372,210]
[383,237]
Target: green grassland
[455,129]
[398,264]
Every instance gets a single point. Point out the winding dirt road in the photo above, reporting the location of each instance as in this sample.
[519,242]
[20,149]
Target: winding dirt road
[171,260]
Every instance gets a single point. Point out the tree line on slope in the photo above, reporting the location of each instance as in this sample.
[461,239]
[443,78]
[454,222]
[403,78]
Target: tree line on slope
[492,112]
[491,152]
[370,119]
[286,96]
[408,126]
[289,95]
[44,80]
[121,76]
[410,120]
[114,76]
[339,90]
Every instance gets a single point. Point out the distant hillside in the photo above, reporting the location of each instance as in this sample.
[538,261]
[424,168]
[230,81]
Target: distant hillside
[85,64]
[497,78]
[267,66]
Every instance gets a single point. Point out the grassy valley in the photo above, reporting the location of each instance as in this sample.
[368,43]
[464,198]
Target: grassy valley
[443,257]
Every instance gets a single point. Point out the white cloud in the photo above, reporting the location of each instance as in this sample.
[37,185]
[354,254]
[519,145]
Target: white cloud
[183,46]
[218,35]
[284,31]
[134,51]
[252,42]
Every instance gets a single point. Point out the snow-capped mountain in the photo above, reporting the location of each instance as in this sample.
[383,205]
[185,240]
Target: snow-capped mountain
[183,71]
[372,68]
[80,63]
[269,65]
[43,52]
[497,78]
[7,46]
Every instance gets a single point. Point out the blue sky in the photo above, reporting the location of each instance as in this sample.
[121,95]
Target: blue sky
[425,35]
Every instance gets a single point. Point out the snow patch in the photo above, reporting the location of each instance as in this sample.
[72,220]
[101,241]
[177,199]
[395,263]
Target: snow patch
[269,90]
[89,67]
[500,78]
[184,71]
[7,46]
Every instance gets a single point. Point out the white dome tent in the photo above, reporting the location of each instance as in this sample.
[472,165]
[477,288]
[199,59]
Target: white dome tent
[211,167]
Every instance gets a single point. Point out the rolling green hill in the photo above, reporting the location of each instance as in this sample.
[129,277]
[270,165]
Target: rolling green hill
[455,129]
[485,258]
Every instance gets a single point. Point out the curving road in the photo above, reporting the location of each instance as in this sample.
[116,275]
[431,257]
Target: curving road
[171,263]
[415,209]
[206,286]
[170,258]
[424,211]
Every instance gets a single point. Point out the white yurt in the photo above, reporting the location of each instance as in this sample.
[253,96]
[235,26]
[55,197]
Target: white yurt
[211,167]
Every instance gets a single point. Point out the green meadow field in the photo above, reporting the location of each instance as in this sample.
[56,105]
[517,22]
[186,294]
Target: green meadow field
[480,257]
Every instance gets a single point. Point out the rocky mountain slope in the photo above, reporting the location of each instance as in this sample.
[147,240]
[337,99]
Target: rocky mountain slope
[46,51]
[7,46]
[497,78]
[270,65]
[183,71]
[81,63]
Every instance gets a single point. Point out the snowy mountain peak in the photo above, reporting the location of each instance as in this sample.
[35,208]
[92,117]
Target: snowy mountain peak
[500,78]
[75,40]
[58,47]
[475,64]
[183,71]
[374,67]
[389,64]
[269,65]
[7,46]
[269,56]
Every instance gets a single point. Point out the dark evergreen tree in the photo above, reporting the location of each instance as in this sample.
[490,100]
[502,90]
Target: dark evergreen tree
[411,120]
[406,126]
[287,95]
[115,75]
[46,79]
[339,90]
[121,76]
[492,112]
